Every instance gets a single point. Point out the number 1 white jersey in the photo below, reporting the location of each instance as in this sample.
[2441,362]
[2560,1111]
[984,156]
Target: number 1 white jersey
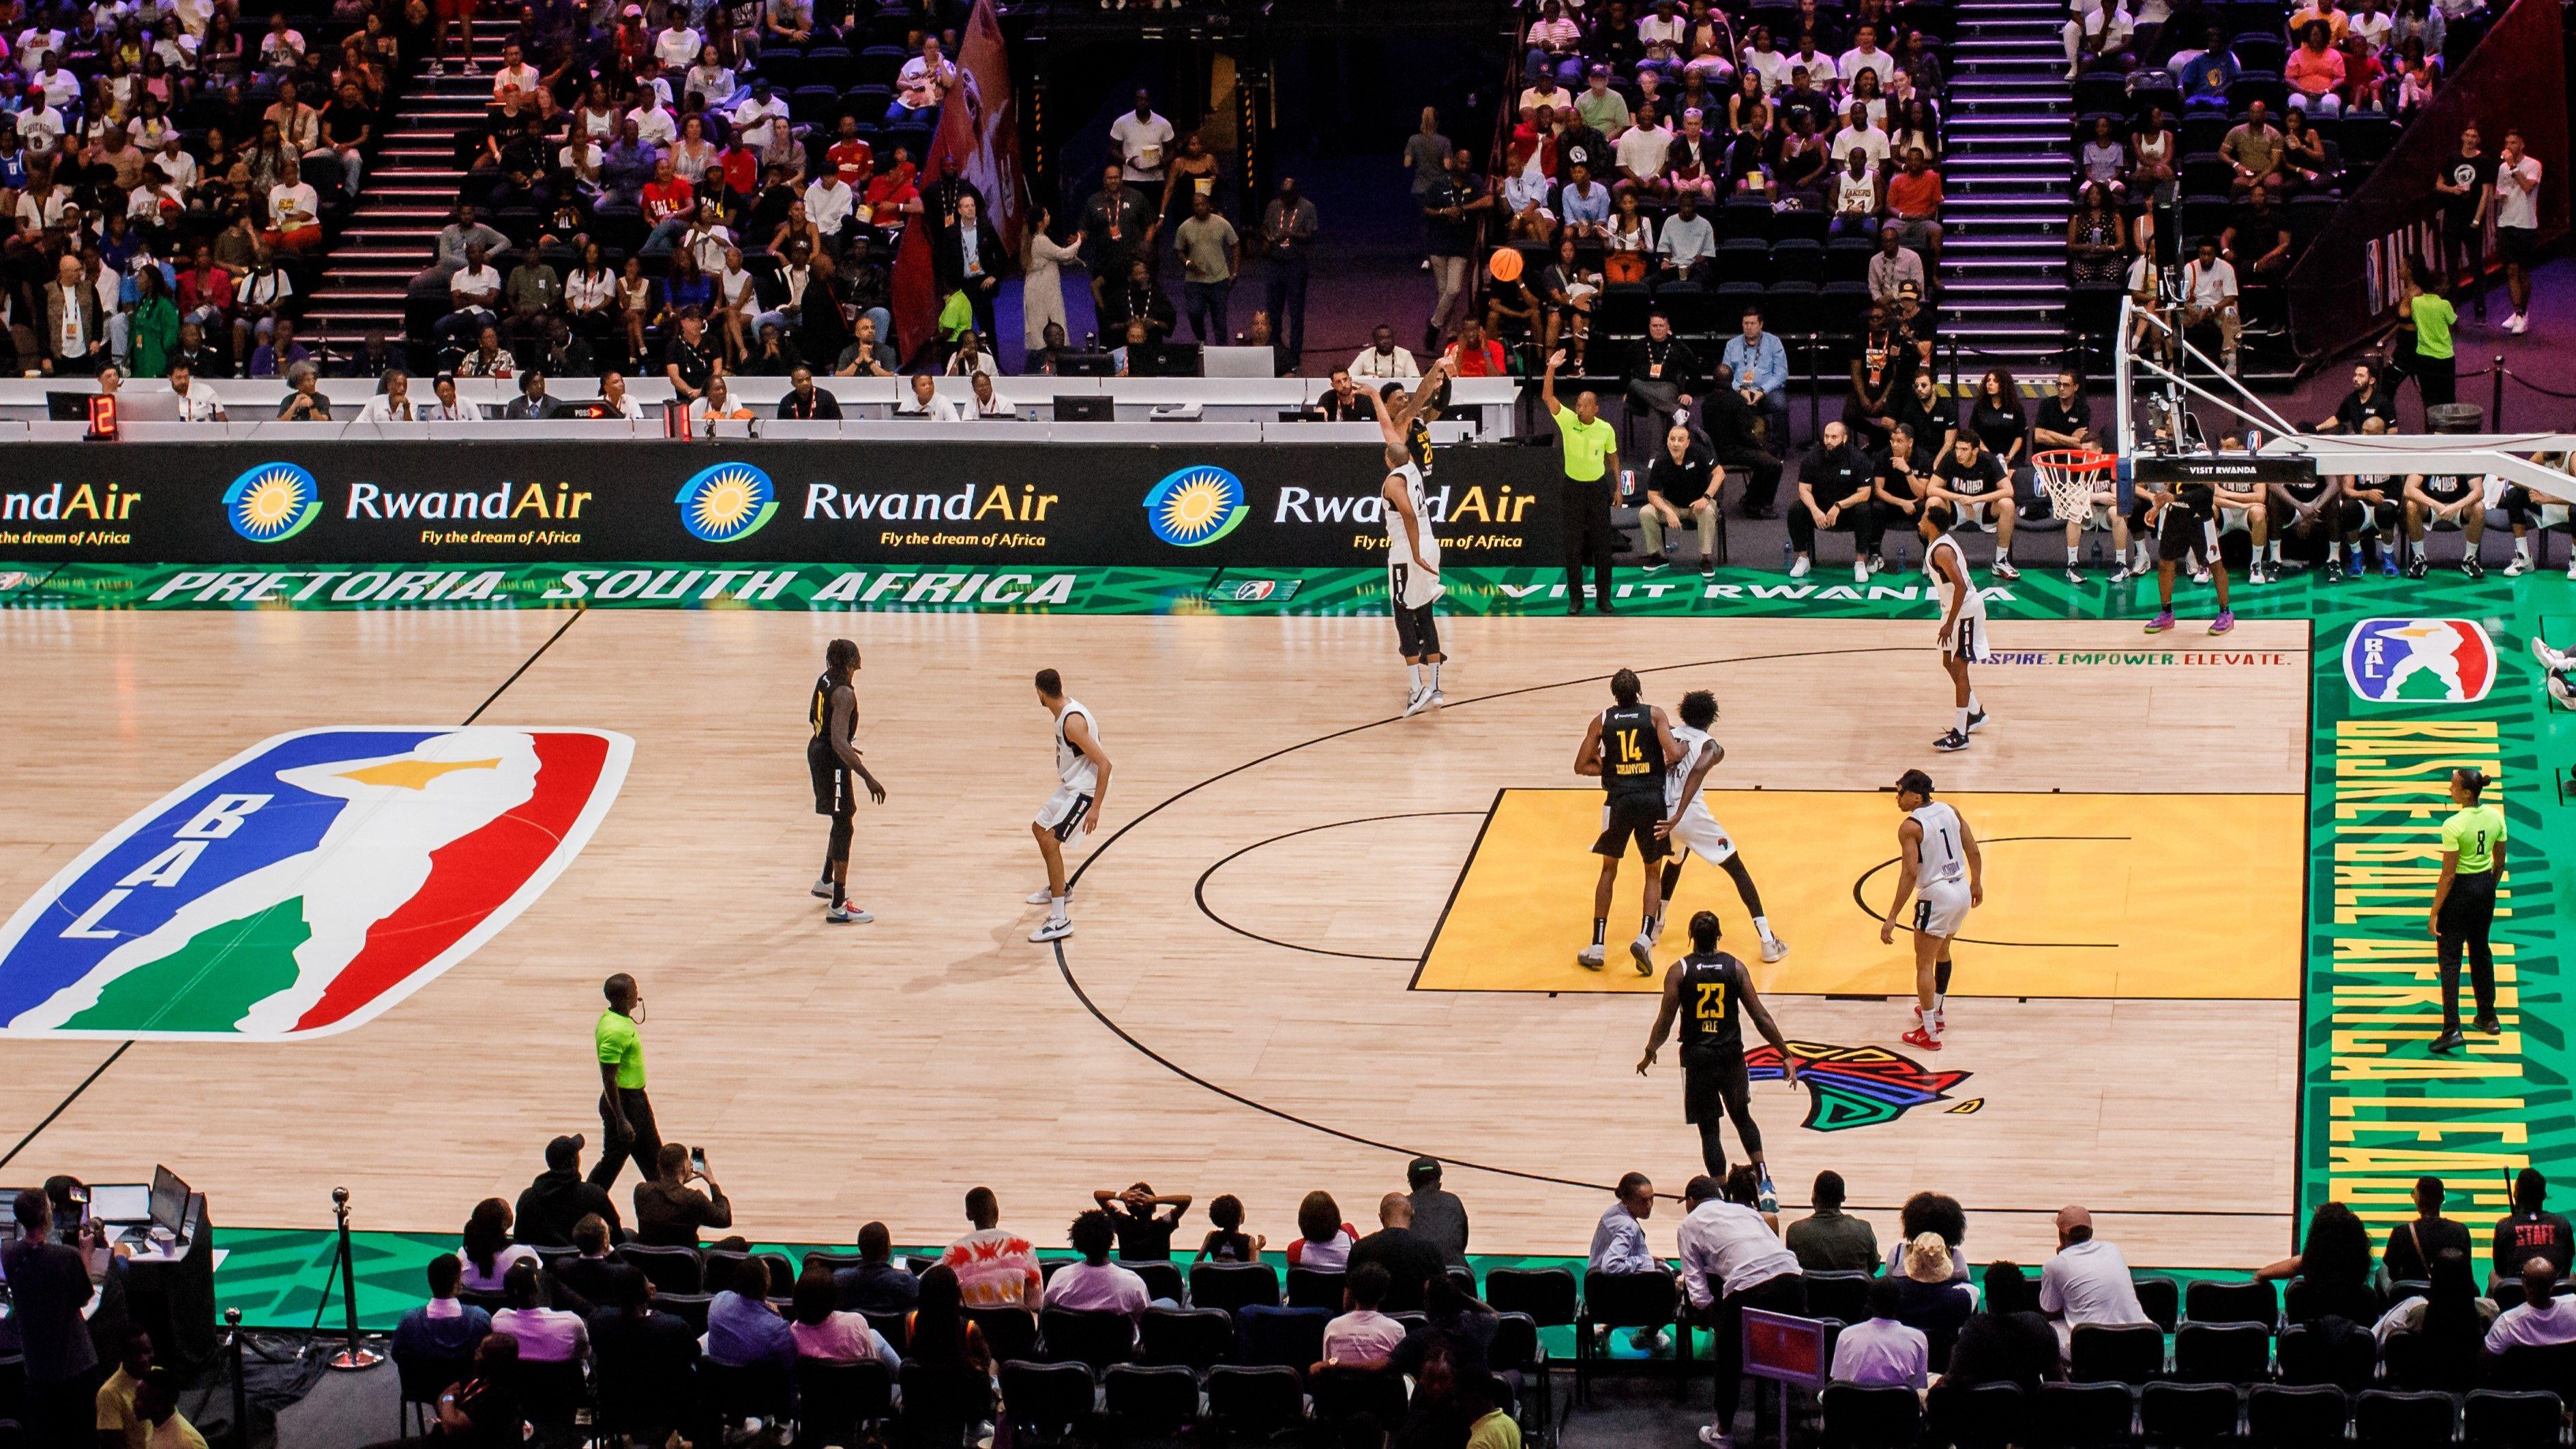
[1411,587]
[1072,766]
[1939,852]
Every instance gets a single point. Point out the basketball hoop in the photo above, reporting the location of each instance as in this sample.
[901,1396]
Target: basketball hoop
[2071,476]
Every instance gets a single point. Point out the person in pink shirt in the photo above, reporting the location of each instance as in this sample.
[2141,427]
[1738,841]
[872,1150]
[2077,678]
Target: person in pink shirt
[545,1335]
[2315,72]
[824,1332]
[1362,1338]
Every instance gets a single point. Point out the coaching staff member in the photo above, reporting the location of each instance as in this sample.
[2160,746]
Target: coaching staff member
[625,1113]
[1591,461]
[2464,904]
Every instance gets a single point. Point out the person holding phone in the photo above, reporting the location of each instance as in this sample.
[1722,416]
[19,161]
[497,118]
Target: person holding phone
[668,1212]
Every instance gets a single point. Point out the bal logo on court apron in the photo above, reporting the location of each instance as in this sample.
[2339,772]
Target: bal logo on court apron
[306,884]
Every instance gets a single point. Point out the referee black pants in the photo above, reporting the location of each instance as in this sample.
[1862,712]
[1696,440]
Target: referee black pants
[1588,536]
[2467,914]
[1786,1293]
[644,1145]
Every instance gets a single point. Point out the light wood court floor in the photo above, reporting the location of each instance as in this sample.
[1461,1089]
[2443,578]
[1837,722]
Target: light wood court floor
[1234,1012]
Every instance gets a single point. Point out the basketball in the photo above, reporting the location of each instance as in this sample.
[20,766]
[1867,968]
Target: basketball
[1506,265]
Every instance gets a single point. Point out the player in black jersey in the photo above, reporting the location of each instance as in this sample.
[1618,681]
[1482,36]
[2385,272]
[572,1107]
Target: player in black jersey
[832,757]
[1712,993]
[2308,513]
[1628,747]
[2440,501]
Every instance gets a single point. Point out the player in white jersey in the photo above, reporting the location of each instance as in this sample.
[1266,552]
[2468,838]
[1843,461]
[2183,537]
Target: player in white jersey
[1081,794]
[1689,825]
[1940,870]
[1963,619]
[1412,549]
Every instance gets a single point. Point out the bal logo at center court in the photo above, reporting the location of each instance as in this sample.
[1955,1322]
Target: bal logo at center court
[306,884]
[2437,661]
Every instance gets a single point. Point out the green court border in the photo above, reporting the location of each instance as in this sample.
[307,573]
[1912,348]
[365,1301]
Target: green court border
[276,1276]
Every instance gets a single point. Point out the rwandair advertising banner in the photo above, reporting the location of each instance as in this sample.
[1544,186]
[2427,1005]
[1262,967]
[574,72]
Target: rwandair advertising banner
[1140,505]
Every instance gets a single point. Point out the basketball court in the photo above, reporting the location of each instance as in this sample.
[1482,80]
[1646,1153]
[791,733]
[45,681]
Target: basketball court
[1313,939]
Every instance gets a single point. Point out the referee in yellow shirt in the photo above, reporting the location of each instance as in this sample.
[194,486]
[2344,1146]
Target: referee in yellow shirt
[2464,904]
[1591,462]
[625,1113]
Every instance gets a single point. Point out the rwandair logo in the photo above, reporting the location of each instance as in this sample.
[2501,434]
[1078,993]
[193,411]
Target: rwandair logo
[272,502]
[727,503]
[1195,506]
[1857,1086]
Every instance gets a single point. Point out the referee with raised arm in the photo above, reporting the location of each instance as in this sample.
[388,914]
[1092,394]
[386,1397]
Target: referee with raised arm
[2464,904]
[625,1113]
[1591,463]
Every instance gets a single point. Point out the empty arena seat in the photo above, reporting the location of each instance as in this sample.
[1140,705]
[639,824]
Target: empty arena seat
[1842,1296]
[837,1403]
[1257,1403]
[669,1270]
[1145,1401]
[2222,1353]
[2386,1419]
[1548,1295]
[1341,1394]
[1195,1338]
[1289,1337]
[2499,1419]
[1098,1339]
[1046,1402]
[1861,1416]
[1315,1288]
[2283,1416]
[2082,1414]
[2309,1355]
[1975,1416]
[2214,1302]
[2188,1413]
[2116,1353]
[1234,1286]
[2161,1298]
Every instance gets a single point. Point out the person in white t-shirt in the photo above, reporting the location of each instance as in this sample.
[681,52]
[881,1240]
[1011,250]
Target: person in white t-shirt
[2209,296]
[1096,1285]
[2087,1282]
[294,211]
[1361,1337]
[39,45]
[676,47]
[1865,55]
[515,77]
[1143,139]
[2517,200]
[2545,1318]
[926,402]
[757,113]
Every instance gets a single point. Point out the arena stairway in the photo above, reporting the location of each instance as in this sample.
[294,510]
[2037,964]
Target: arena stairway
[410,194]
[2005,180]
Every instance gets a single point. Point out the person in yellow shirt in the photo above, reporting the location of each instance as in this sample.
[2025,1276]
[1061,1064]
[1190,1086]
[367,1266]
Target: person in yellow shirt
[116,1414]
[2464,904]
[157,1401]
[1591,475]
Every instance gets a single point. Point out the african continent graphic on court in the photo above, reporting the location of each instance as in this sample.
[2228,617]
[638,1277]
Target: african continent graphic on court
[307,884]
